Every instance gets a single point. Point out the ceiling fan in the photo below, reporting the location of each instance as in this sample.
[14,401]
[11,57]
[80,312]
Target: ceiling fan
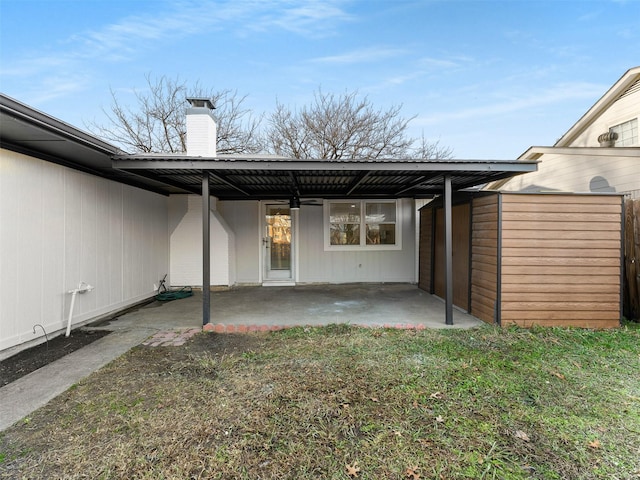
[295,202]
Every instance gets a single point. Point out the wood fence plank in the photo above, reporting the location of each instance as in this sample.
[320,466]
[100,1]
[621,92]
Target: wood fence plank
[556,235]
[561,306]
[566,288]
[488,291]
[565,251]
[561,279]
[561,315]
[533,244]
[561,217]
[484,259]
[560,270]
[550,261]
[561,208]
[564,296]
[583,226]
[559,199]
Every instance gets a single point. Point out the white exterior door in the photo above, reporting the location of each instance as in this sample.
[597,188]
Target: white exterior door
[277,244]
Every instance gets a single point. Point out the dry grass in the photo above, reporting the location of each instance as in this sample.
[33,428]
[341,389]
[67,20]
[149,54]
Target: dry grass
[329,402]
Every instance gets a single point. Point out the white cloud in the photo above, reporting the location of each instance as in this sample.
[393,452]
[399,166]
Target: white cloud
[126,39]
[518,103]
[364,55]
[438,62]
[307,18]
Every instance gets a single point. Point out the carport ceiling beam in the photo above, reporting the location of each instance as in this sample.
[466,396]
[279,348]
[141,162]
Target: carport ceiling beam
[294,182]
[167,180]
[223,179]
[357,182]
[414,184]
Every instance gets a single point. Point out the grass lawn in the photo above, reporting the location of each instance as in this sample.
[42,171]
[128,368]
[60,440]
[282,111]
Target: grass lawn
[342,402]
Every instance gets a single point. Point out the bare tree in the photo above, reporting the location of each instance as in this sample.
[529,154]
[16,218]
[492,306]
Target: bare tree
[335,127]
[157,123]
[426,150]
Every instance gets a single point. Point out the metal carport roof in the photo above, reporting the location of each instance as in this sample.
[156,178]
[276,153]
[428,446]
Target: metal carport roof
[269,177]
[29,131]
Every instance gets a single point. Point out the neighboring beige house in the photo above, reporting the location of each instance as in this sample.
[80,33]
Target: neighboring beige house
[600,153]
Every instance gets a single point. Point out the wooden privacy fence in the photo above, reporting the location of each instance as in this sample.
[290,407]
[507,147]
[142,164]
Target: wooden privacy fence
[632,259]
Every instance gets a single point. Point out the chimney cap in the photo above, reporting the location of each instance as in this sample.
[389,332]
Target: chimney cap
[202,102]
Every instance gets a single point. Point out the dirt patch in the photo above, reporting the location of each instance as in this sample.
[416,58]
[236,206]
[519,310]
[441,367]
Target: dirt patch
[29,360]
[226,344]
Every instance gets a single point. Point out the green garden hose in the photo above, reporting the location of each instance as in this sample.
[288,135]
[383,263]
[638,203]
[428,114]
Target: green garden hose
[168,295]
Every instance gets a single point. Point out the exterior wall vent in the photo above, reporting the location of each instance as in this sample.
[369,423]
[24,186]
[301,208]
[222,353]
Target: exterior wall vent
[635,87]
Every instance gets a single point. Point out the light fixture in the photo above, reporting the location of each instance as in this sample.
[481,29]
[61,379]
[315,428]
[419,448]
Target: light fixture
[294,203]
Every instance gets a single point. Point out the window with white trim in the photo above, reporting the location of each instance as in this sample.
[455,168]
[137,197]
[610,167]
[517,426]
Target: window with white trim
[361,225]
[627,133]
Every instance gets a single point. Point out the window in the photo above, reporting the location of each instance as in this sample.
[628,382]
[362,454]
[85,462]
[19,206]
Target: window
[361,225]
[627,133]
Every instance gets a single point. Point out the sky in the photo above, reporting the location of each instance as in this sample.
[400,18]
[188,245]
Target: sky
[488,79]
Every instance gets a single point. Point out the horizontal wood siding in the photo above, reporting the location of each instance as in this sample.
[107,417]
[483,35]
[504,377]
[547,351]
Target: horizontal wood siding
[561,260]
[484,255]
[426,244]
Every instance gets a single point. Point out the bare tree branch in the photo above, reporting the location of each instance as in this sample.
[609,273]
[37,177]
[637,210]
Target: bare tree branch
[158,124]
[335,127]
[344,126]
[432,150]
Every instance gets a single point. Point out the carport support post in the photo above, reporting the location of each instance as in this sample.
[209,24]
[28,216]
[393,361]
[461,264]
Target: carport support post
[448,252]
[206,250]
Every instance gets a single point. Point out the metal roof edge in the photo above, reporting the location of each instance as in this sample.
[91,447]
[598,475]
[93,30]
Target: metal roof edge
[136,162]
[17,109]
[533,153]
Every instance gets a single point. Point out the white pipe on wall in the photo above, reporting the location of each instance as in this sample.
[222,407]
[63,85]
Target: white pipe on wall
[82,288]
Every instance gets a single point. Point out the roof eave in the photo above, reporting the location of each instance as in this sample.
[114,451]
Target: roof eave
[629,77]
[29,115]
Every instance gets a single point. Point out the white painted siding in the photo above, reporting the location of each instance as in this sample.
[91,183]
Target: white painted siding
[60,227]
[185,220]
[572,173]
[318,265]
[315,264]
[243,217]
[624,109]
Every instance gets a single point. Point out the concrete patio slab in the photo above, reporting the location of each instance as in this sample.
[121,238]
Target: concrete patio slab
[372,305]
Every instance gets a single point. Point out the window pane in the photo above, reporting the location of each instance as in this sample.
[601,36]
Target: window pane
[381,234]
[345,234]
[381,212]
[344,213]
[627,133]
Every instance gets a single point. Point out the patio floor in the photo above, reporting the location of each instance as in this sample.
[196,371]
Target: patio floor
[248,308]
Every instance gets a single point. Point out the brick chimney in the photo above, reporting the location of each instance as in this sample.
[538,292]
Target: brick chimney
[201,128]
